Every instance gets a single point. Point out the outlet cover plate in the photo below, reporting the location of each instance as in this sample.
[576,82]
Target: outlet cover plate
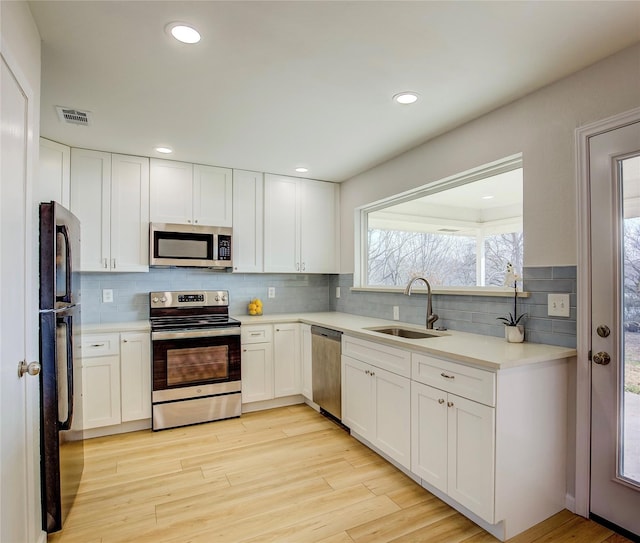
[107,296]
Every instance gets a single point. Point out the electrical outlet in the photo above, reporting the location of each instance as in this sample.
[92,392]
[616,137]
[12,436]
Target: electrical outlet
[396,313]
[272,292]
[107,296]
[558,305]
[337,292]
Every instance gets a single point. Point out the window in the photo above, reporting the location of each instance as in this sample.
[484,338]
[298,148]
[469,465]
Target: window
[460,232]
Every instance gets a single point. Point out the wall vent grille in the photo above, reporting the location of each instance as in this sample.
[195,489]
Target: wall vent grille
[73,116]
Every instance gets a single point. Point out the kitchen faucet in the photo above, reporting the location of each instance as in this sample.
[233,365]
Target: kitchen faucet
[431,318]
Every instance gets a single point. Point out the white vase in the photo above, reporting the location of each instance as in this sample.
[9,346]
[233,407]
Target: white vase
[514,334]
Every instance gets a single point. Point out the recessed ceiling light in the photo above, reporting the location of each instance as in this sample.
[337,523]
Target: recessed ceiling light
[183,32]
[302,169]
[488,197]
[164,150]
[405,97]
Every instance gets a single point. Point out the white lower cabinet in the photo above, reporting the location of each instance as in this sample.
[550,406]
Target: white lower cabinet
[135,376]
[376,403]
[116,378]
[453,447]
[271,362]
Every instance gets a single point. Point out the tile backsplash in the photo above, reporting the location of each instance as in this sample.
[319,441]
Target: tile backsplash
[293,292]
[303,293]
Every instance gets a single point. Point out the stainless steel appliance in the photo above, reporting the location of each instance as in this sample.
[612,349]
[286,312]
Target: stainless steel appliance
[190,245]
[61,461]
[196,358]
[326,349]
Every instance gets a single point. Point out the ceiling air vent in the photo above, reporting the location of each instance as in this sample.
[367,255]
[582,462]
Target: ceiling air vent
[73,116]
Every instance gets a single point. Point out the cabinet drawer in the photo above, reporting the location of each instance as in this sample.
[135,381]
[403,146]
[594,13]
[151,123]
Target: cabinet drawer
[256,334]
[472,383]
[100,345]
[388,358]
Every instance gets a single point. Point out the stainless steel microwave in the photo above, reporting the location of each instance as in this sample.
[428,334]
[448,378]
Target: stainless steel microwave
[190,246]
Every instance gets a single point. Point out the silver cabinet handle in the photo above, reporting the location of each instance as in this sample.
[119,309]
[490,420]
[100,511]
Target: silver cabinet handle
[97,345]
[105,263]
[255,333]
[443,374]
[450,404]
[113,263]
[440,401]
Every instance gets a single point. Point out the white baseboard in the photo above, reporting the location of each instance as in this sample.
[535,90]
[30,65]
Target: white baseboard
[570,503]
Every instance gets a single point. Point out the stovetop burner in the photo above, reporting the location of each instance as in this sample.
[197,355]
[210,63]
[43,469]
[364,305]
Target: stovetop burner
[187,310]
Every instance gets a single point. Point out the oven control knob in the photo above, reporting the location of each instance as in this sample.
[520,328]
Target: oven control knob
[163,299]
[224,298]
[217,298]
[155,299]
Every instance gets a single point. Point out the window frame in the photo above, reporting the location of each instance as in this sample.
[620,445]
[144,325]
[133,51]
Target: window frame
[361,214]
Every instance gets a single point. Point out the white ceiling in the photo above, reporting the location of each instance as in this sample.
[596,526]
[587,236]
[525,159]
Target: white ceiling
[275,85]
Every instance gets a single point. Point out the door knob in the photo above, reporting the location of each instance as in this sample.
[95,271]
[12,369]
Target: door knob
[603,330]
[32,369]
[602,358]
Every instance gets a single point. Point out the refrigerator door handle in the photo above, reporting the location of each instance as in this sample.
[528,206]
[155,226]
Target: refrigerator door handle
[66,320]
[62,231]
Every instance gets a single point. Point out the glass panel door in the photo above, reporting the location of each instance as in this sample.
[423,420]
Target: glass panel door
[629,382]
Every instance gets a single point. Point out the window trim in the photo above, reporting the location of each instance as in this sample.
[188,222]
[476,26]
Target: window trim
[361,213]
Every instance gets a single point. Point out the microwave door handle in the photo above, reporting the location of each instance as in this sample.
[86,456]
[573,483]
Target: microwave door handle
[66,424]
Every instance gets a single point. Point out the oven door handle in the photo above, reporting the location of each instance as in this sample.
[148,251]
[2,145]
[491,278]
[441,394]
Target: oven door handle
[187,334]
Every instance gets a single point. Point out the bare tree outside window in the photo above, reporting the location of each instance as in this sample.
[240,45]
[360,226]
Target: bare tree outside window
[446,260]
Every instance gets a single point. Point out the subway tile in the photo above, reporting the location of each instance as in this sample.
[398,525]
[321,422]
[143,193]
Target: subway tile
[538,272]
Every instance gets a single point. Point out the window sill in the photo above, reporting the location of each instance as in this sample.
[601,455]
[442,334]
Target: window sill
[449,291]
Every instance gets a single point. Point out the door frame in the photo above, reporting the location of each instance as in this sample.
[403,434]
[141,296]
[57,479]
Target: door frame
[581,504]
[32,386]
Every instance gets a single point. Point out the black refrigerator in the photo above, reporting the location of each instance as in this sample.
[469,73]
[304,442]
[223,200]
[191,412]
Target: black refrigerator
[61,459]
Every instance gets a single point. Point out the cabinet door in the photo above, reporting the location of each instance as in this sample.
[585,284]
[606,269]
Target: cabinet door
[307,368]
[53,173]
[257,372]
[287,365]
[281,225]
[90,201]
[429,414]
[471,438]
[392,404]
[135,376]
[357,397]
[129,213]
[101,391]
[171,191]
[212,195]
[318,217]
[248,204]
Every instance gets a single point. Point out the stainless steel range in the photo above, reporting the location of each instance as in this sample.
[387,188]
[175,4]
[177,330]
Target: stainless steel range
[196,358]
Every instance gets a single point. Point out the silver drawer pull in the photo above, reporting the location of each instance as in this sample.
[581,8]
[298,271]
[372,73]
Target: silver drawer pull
[98,345]
[443,374]
[255,333]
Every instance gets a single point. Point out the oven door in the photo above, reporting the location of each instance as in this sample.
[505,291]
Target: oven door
[194,358]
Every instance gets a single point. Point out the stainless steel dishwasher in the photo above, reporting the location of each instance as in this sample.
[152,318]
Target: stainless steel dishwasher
[326,349]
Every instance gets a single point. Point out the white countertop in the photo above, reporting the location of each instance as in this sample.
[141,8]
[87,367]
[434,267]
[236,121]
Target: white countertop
[485,351]
[105,328]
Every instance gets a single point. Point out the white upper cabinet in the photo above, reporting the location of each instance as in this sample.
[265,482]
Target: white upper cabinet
[300,226]
[53,182]
[248,204]
[110,196]
[184,193]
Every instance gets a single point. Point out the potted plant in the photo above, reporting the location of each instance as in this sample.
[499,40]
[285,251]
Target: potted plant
[513,330]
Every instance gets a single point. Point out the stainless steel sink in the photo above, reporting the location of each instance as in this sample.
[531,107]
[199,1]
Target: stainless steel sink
[408,333]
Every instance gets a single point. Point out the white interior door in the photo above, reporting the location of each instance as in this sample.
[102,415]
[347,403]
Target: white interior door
[614,172]
[14,502]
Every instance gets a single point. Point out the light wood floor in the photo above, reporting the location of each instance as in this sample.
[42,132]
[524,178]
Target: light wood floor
[284,475]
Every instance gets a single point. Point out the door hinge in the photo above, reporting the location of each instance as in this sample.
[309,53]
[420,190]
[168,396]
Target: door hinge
[590,355]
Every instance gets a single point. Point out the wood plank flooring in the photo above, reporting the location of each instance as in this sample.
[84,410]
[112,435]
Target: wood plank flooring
[283,475]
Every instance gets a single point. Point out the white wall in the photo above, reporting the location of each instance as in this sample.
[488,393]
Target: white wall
[541,126]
